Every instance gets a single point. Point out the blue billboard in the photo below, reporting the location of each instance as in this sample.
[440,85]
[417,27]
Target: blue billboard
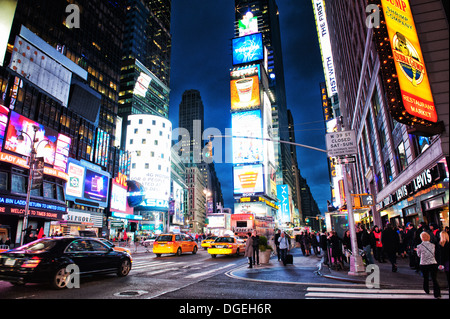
[284,212]
[248,49]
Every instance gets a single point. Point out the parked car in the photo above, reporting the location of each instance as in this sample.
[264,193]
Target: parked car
[226,245]
[174,244]
[46,260]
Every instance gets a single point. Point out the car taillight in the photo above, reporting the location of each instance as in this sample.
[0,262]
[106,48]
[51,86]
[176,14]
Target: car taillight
[230,246]
[31,263]
[170,242]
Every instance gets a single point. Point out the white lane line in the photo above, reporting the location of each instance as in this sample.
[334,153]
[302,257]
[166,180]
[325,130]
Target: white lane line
[204,273]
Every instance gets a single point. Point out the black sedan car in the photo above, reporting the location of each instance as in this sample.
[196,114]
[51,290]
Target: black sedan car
[48,260]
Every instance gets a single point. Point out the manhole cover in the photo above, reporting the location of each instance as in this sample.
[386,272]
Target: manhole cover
[131,293]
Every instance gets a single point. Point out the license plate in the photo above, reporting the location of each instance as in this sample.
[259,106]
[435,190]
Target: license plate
[220,246]
[161,244]
[10,262]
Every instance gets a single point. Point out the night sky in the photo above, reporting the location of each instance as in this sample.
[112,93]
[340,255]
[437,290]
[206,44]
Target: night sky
[201,59]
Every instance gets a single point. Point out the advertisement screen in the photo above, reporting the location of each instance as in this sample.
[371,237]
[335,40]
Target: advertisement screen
[87,182]
[248,179]
[95,186]
[40,69]
[248,24]
[248,49]
[142,84]
[118,197]
[4,111]
[244,89]
[409,63]
[49,142]
[248,124]
[74,187]
[283,197]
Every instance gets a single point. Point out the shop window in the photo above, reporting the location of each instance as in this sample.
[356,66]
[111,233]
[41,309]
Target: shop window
[60,193]
[18,184]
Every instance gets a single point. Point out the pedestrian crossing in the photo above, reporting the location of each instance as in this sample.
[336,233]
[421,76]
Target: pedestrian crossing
[172,269]
[366,293]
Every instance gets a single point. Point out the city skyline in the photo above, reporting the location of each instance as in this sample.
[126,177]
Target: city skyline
[208,71]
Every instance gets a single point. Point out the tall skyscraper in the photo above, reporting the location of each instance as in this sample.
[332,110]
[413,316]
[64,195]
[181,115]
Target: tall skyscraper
[266,11]
[191,118]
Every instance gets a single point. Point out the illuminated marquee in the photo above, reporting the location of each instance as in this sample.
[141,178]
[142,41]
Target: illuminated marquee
[404,73]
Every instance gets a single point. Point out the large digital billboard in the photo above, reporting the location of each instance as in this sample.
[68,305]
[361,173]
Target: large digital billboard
[248,24]
[245,89]
[51,145]
[325,46]
[248,49]
[284,205]
[88,183]
[4,111]
[416,101]
[248,179]
[247,124]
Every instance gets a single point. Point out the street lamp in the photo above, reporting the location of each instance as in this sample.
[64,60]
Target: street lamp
[30,177]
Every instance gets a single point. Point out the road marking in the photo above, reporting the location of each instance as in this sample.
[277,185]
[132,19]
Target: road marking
[208,272]
[341,293]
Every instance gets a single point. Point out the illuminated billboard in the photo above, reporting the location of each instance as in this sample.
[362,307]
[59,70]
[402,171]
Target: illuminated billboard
[248,49]
[248,124]
[118,197]
[40,69]
[248,24]
[248,179]
[88,183]
[7,10]
[50,144]
[142,84]
[245,89]
[408,89]
[284,203]
[4,111]
[325,46]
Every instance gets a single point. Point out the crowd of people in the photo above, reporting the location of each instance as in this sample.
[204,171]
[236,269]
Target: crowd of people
[426,246]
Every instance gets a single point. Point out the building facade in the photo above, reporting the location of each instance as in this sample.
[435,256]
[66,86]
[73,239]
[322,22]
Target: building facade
[404,166]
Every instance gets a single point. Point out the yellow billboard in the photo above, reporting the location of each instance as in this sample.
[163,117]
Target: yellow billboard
[409,63]
[244,89]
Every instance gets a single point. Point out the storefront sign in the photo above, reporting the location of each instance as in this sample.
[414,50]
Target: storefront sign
[77,217]
[16,205]
[428,177]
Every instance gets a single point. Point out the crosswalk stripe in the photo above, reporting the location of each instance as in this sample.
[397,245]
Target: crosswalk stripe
[146,265]
[322,292]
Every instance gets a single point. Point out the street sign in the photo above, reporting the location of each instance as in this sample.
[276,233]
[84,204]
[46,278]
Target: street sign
[345,160]
[341,143]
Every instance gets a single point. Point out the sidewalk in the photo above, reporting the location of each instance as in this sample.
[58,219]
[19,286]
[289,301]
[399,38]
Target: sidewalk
[310,269]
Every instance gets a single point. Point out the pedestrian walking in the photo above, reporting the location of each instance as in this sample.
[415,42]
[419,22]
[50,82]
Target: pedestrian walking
[307,243]
[378,251]
[284,247]
[366,246]
[315,243]
[249,250]
[255,244]
[324,246]
[390,241]
[409,244]
[444,247]
[428,264]
[336,249]
[277,243]
[402,245]
[347,246]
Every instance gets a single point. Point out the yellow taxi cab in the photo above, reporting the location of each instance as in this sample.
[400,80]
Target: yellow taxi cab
[206,243]
[174,244]
[226,245]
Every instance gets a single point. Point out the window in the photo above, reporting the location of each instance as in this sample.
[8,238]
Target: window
[96,246]
[400,156]
[388,172]
[146,166]
[140,121]
[149,131]
[144,141]
[131,141]
[18,184]
[3,181]
[49,190]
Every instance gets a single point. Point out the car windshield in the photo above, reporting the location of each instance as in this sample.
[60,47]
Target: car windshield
[164,238]
[224,240]
[211,237]
[38,246]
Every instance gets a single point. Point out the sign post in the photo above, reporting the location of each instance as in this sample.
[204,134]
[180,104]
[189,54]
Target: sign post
[339,144]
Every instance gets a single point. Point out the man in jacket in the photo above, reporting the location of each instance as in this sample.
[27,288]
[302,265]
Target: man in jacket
[249,250]
[277,244]
[390,241]
[255,244]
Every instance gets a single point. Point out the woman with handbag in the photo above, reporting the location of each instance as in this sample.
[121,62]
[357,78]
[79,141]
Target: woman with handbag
[428,264]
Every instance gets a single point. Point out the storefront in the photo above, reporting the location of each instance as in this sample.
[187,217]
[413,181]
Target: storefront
[423,198]
[75,222]
[119,223]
